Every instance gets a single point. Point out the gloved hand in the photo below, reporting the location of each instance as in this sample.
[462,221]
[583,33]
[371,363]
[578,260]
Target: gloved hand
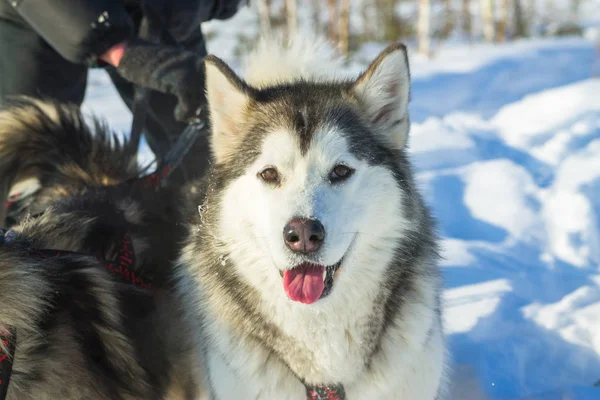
[167,70]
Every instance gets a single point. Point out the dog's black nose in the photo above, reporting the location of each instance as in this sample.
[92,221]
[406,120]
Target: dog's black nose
[303,235]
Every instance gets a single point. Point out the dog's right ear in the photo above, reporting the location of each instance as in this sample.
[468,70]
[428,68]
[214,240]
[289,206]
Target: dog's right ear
[384,89]
[228,98]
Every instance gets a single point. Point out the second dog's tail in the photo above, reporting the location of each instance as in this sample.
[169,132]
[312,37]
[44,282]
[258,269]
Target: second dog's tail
[53,144]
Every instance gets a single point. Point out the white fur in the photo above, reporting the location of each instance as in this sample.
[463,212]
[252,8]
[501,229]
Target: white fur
[276,61]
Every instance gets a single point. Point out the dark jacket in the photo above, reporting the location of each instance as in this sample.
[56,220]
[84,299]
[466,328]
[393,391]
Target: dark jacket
[82,30]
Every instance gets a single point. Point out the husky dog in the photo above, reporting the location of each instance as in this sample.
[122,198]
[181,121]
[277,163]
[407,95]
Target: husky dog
[79,330]
[312,267]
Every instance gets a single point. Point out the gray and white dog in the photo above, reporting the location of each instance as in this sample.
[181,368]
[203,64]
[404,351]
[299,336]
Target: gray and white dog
[312,270]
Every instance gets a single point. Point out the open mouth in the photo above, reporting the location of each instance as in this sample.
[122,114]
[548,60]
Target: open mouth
[309,282]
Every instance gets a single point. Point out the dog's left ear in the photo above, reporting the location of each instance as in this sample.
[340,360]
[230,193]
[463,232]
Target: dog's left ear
[384,91]
[228,98]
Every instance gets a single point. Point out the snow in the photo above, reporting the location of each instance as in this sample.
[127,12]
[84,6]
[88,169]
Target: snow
[506,201]
[506,143]
[547,111]
[514,185]
[482,298]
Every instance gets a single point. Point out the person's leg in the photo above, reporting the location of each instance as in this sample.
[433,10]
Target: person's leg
[196,162]
[29,66]
[162,130]
[154,133]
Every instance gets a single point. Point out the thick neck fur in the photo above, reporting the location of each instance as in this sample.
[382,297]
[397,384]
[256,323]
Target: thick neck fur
[333,340]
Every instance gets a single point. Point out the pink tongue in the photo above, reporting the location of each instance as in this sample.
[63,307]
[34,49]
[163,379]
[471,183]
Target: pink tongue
[304,283]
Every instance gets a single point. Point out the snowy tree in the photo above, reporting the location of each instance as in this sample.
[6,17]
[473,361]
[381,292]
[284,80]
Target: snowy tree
[291,17]
[487,15]
[503,20]
[344,26]
[333,17]
[264,16]
[466,18]
[423,28]
[316,15]
[520,20]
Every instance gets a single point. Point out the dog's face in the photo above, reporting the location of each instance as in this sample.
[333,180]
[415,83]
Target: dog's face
[312,186]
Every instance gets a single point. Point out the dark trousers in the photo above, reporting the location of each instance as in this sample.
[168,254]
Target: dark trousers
[29,66]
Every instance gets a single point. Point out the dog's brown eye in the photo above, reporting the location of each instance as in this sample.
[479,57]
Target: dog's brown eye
[269,175]
[339,173]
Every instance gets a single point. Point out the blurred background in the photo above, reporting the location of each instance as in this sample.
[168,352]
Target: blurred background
[426,24]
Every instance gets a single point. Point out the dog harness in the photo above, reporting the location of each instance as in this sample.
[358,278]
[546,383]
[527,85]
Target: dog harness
[8,338]
[122,267]
[325,392]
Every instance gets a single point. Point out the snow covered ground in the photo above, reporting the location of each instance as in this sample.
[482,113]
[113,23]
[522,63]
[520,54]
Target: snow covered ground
[506,140]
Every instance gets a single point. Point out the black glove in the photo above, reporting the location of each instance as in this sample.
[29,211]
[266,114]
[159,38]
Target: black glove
[168,70]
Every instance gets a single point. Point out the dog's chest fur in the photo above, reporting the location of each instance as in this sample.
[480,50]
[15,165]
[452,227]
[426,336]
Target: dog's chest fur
[327,354]
[337,352]
[334,347]
[327,346]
